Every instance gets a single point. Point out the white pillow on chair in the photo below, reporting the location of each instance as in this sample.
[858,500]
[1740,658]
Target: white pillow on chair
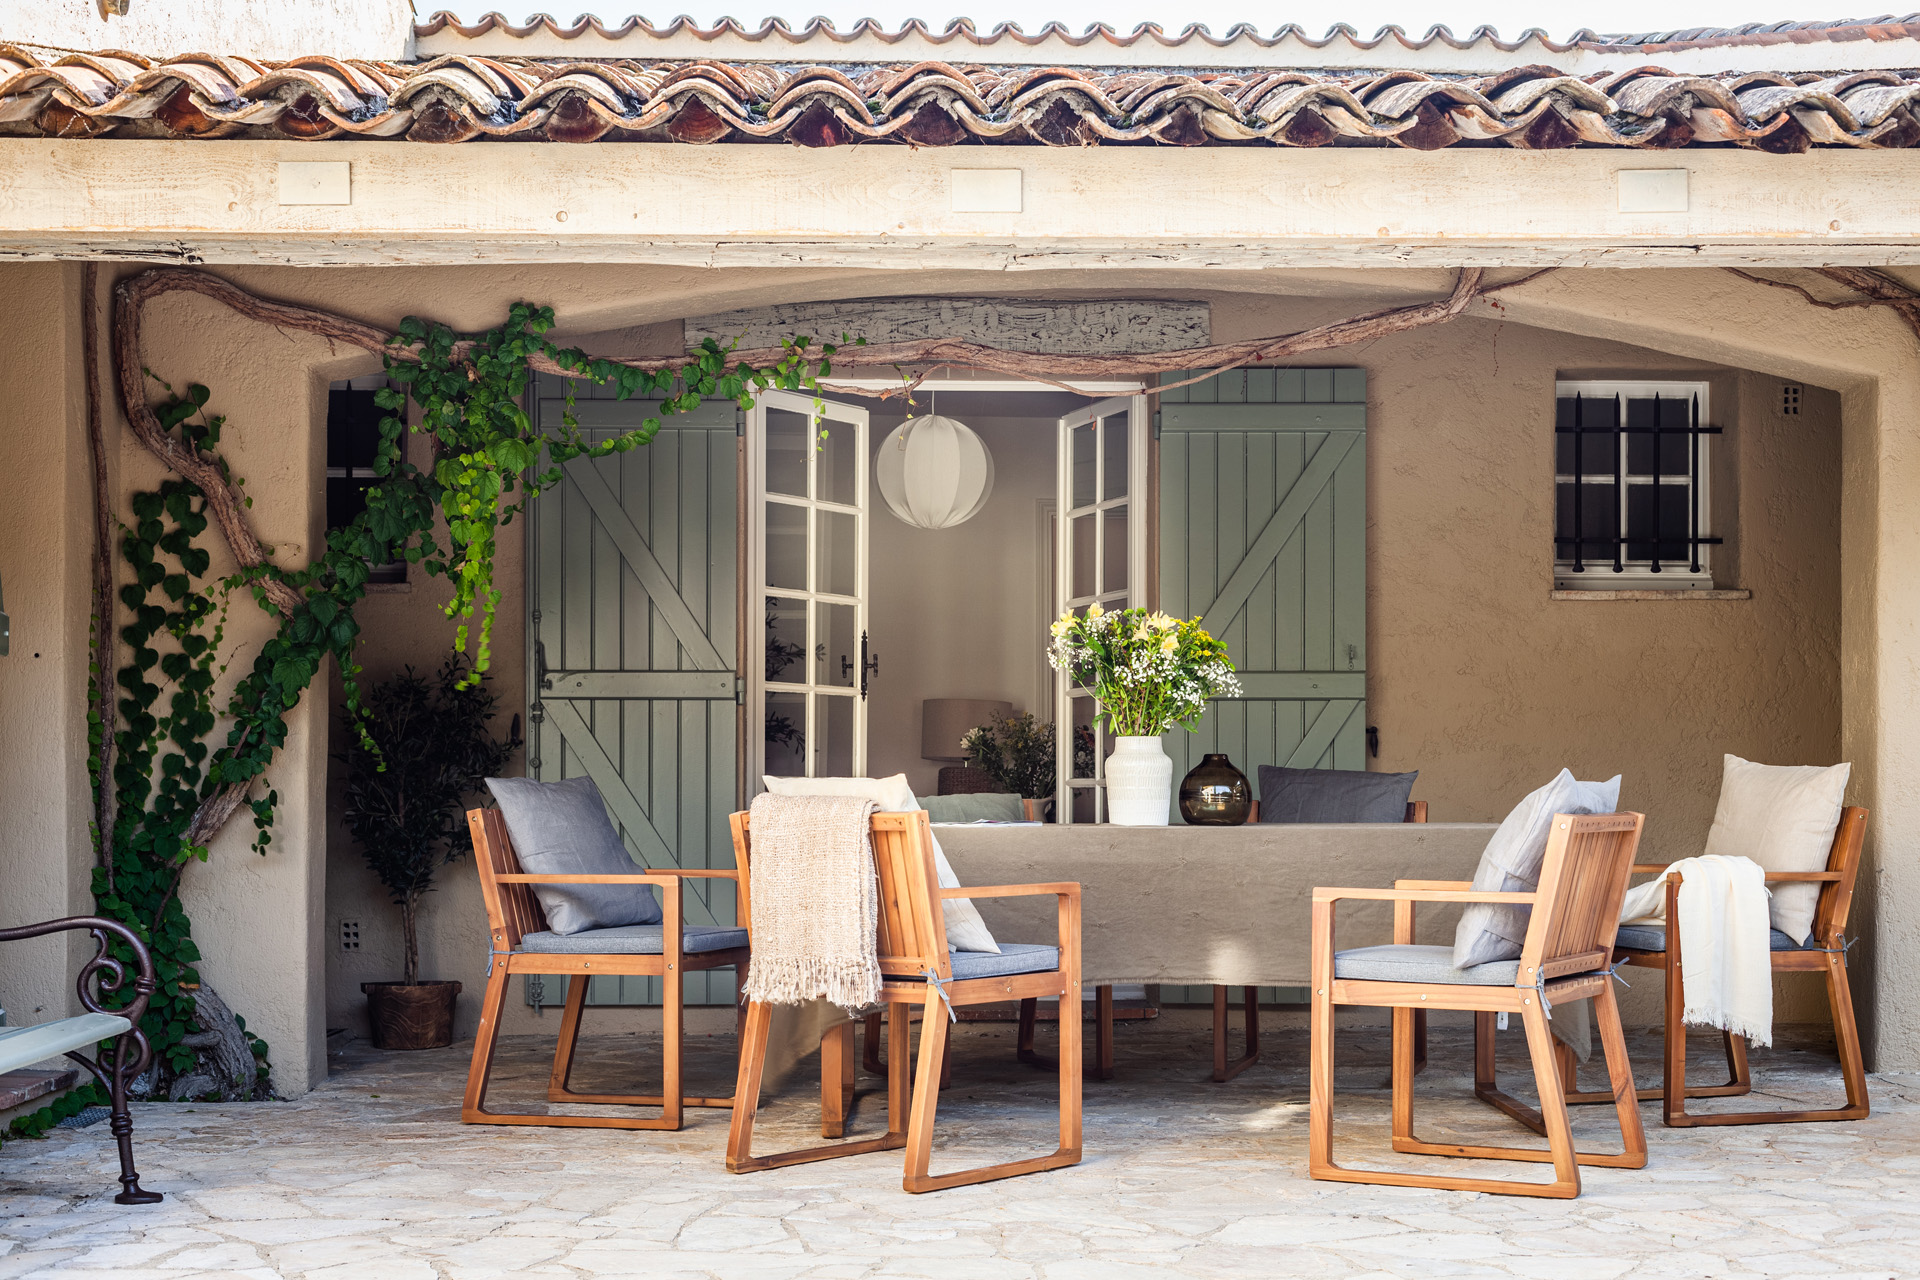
[1783,817]
[1512,862]
[966,931]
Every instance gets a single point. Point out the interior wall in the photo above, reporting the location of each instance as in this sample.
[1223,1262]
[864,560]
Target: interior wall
[957,613]
[46,541]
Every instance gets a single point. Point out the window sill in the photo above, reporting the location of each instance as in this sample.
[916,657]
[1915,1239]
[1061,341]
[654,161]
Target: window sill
[1650,594]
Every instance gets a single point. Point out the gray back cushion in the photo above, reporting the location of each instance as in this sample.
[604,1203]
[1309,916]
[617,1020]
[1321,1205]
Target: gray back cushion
[1333,795]
[981,806]
[562,829]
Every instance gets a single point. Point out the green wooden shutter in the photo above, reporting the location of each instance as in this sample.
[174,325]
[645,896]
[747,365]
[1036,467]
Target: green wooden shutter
[1263,533]
[631,597]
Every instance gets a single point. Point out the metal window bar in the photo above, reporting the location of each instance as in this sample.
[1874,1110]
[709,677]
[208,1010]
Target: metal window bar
[1693,540]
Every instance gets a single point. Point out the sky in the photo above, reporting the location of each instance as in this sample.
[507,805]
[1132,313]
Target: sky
[1509,17]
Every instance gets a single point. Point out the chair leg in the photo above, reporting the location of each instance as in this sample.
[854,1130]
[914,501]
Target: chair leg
[1846,1036]
[120,1121]
[473,1108]
[1102,1030]
[933,1046]
[1223,1070]
[557,1089]
[1023,1044]
[836,1080]
[870,1039]
[746,1104]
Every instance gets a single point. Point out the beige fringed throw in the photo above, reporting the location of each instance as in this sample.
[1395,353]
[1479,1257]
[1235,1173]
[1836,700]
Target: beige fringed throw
[816,903]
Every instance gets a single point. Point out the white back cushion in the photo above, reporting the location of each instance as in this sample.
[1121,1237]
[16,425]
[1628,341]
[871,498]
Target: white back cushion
[1511,864]
[966,931]
[1783,817]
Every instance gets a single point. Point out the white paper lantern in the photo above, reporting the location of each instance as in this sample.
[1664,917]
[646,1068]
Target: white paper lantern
[934,472]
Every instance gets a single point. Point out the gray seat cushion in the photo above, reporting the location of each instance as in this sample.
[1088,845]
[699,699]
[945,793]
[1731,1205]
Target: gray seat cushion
[1333,795]
[562,828]
[1013,957]
[1407,963]
[1653,937]
[634,940]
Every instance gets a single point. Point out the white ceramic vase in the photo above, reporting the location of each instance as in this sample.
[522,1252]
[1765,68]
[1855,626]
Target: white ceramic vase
[1139,783]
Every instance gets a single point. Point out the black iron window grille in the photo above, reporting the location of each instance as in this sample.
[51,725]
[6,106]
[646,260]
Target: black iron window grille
[1631,485]
[353,438]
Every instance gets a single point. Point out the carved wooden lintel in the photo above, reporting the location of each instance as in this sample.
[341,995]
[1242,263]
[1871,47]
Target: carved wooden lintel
[1044,327]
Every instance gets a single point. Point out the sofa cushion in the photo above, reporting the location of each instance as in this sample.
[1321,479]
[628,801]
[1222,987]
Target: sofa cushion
[1653,937]
[1511,864]
[1407,963]
[562,828]
[981,806]
[1783,817]
[634,940]
[1333,795]
[966,931]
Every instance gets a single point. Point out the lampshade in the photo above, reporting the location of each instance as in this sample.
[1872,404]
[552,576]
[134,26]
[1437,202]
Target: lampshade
[944,721]
[934,472]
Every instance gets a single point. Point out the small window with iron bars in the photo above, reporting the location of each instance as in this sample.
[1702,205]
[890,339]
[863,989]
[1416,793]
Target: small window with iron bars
[1631,486]
[353,440]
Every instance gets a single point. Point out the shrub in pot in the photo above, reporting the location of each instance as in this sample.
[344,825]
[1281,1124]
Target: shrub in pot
[405,808]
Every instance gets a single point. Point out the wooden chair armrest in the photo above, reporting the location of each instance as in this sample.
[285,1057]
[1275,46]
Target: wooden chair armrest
[1064,889]
[1649,868]
[1421,895]
[1433,884]
[728,873]
[1802,877]
[651,877]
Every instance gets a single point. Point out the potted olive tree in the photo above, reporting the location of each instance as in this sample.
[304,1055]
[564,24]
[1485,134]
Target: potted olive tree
[431,748]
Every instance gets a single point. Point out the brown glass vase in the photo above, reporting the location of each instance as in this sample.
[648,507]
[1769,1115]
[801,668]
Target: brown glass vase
[1215,794]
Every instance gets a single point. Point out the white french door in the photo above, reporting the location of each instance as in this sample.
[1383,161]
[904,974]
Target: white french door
[807,551]
[1100,557]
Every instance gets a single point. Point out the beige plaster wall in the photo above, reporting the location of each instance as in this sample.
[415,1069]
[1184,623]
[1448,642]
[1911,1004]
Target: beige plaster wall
[46,857]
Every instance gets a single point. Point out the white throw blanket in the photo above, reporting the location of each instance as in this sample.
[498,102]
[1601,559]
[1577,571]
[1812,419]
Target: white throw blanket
[816,903]
[1726,971]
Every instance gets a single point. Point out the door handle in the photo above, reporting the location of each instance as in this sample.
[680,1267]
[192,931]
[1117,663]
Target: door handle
[869,665]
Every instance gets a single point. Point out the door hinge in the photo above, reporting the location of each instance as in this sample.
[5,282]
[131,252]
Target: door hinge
[1156,424]
[739,692]
[740,422]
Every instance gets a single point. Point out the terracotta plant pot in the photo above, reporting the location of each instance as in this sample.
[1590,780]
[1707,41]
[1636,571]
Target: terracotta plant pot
[416,1016]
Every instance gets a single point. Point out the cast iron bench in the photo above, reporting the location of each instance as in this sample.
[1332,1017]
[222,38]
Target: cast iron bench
[130,1053]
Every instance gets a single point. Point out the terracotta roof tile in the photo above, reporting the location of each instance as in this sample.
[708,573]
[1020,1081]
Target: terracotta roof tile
[461,98]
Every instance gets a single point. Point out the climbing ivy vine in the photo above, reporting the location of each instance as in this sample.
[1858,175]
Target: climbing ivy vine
[177,772]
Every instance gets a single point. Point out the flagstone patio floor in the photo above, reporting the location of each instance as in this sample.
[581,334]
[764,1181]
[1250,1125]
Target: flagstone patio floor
[372,1177]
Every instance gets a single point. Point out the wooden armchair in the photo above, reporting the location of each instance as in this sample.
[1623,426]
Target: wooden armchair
[1825,952]
[1224,1070]
[1569,942]
[522,944]
[913,944]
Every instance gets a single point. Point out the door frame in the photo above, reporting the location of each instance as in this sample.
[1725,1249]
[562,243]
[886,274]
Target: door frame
[752,626]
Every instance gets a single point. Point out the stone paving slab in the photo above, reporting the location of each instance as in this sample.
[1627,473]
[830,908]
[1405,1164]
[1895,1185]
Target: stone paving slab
[372,1177]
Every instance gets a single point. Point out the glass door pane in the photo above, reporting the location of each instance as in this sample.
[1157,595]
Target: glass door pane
[807,546]
[1099,558]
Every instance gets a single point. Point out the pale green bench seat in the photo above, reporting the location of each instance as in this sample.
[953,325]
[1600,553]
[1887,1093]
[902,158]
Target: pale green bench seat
[24,1046]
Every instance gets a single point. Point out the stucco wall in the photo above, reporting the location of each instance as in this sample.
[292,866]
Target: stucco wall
[378,29]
